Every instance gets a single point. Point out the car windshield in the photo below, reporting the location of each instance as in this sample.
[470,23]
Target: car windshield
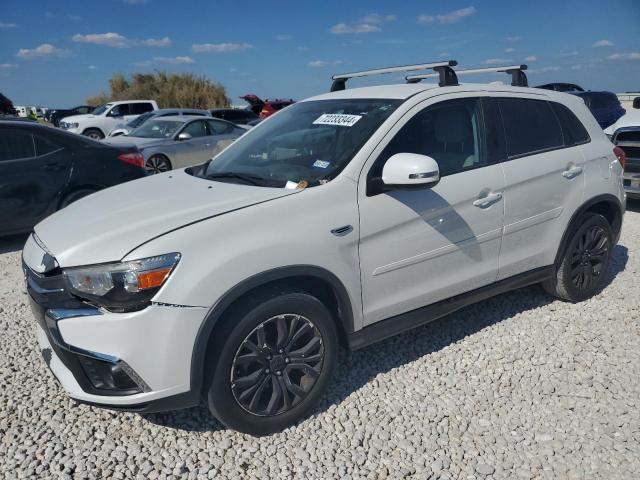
[157,129]
[101,109]
[136,122]
[309,142]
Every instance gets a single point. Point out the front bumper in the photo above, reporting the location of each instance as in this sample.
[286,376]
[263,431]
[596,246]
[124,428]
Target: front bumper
[138,361]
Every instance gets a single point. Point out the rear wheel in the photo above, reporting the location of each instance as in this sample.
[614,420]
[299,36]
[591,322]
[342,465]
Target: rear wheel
[157,164]
[274,362]
[585,262]
[93,133]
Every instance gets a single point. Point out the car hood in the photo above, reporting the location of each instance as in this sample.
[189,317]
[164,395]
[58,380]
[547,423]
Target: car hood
[106,226]
[139,142]
[629,119]
[79,118]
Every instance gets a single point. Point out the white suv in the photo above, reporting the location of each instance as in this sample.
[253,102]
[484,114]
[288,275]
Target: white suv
[340,221]
[105,118]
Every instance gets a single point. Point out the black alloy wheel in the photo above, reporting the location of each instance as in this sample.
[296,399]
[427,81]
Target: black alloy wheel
[157,164]
[589,256]
[277,365]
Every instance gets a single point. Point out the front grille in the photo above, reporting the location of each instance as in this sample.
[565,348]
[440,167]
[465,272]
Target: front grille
[50,291]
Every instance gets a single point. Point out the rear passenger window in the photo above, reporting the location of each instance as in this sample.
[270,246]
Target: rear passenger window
[219,128]
[15,145]
[530,126]
[44,145]
[139,108]
[573,130]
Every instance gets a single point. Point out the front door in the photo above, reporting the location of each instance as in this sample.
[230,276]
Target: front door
[421,246]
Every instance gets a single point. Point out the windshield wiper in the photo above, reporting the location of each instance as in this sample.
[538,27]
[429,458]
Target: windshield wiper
[252,179]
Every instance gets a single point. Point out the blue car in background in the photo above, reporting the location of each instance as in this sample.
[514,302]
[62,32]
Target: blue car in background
[605,106]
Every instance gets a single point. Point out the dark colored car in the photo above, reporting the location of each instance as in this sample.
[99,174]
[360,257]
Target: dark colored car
[239,116]
[605,106]
[562,87]
[43,169]
[54,116]
[267,107]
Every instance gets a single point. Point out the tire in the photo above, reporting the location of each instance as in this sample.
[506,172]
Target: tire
[72,197]
[243,391]
[585,262]
[157,164]
[93,133]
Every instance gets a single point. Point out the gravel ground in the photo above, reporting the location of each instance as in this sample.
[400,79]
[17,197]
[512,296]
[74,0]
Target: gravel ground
[519,386]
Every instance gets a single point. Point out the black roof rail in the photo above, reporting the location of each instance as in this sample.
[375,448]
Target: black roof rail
[518,77]
[444,71]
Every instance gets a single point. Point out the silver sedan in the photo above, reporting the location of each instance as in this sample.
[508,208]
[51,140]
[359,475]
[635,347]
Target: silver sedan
[179,141]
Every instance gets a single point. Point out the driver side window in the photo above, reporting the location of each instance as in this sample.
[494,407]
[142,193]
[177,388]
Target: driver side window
[447,131]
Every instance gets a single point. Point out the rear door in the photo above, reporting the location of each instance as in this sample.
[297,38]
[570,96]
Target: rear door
[221,135]
[544,183]
[33,171]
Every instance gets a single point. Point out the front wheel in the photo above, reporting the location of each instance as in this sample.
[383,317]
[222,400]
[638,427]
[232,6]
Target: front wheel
[93,133]
[274,363]
[585,263]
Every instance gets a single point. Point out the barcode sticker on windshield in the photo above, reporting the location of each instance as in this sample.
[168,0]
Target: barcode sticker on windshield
[340,119]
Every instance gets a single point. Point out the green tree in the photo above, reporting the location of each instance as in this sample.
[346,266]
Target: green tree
[185,90]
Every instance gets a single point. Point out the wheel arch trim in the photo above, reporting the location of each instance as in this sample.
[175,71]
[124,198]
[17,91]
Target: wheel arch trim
[604,198]
[205,331]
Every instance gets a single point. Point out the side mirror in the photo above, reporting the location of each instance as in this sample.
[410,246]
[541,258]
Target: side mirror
[410,170]
[636,102]
[184,136]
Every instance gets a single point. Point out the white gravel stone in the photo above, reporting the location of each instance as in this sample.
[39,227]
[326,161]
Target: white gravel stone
[518,386]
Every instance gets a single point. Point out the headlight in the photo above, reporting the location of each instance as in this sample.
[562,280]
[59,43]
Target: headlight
[124,285]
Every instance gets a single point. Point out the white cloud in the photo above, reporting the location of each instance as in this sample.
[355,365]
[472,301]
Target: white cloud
[300,48]
[156,42]
[367,24]
[92,67]
[219,47]
[283,37]
[444,55]
[112,39]
[7,65]
[46,50]
[7,25]
[323,63]
[625,56]
[497,61]
[509,50]
[449,17]
[166,61]
[531,58]
[75,18]
[50,15]
[514,39]
[573,53]
[603,43]
[543,69]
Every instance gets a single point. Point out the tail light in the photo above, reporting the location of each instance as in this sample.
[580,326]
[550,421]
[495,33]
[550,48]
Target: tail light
[132,158]
[620,155]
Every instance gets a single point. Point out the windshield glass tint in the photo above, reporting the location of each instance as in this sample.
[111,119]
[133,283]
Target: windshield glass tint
[157,129]
[101,109]
[310,141]
[136,122]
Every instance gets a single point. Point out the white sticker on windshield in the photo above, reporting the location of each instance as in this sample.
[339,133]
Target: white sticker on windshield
[340,119]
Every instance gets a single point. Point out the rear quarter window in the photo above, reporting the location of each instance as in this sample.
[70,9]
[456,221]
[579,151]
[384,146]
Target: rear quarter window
[530,126]
[572,128]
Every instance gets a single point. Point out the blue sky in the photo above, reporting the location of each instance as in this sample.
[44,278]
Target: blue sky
[57,53]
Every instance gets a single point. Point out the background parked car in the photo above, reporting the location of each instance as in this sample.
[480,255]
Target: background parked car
[562,87]
[55,115]
[105,118]
[163,112]
[605,106]
[43,169]
[239,116]
[179,141]
[264,108]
